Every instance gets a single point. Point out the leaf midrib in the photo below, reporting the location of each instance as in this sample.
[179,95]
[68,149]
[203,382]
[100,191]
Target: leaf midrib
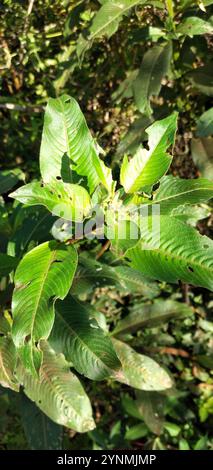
[173,196]
[41,290]
[4,369]
[178,257]
[148,84]
[81,340]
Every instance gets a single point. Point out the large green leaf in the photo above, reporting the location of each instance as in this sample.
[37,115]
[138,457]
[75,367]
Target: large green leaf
[175,192]
[106,21]
[193,25]
[149,315]
[202,79]
[70,201]
[31,225]
[140,371]
[77,335]
[58,392]
[154,67]
[148,166]
[180,253]
[205,124]
[150,405]
[7,363]
[7,264]
[44,434]
[202,153]
[68,145]
[43,275]
[134,136]
[91,274]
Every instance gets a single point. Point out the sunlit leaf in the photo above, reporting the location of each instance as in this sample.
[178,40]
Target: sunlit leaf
[43,275]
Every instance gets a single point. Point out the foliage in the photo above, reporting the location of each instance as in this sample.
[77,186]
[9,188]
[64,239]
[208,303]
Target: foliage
[92,342]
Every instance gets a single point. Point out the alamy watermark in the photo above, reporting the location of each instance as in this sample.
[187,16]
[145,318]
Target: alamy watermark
[114,223]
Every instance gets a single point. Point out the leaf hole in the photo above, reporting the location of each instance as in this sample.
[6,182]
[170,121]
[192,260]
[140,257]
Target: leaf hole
[190,269]
[58,178]
[206,246]
[68,100]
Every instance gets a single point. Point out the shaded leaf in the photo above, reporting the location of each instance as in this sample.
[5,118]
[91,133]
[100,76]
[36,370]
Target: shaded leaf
[205,124]
[149,315]
[150,405]
[9,178]
[202,79]
[154,67]
[180,253]
[7,363]
[106,22]
[136,432]
[202,155]
[193,25]
[78,336]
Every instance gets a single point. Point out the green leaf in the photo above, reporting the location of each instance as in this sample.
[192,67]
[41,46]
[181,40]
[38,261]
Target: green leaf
[203,156]
[7,363]
[68,145]
[151,406]
[172,428]
[193,25]
[191,214]
[5,326]
[106,22]
[70,201]
[134,136]
[44,434]
[132,280]
[7,264]
[181,253]
[149,315]
[140,371]
[148,166]
[154,67]
[9,178]
[78,336]
[175,192]
[30,226]
[136,432]
[205,124]
[202,79]
[43,275]
[91,274]
[58,392]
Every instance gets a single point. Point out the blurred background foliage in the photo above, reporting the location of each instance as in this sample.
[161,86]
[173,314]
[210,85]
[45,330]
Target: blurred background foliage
[48,48]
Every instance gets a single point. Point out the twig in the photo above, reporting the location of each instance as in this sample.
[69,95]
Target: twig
[168,350]
[185,293]
[103,249]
